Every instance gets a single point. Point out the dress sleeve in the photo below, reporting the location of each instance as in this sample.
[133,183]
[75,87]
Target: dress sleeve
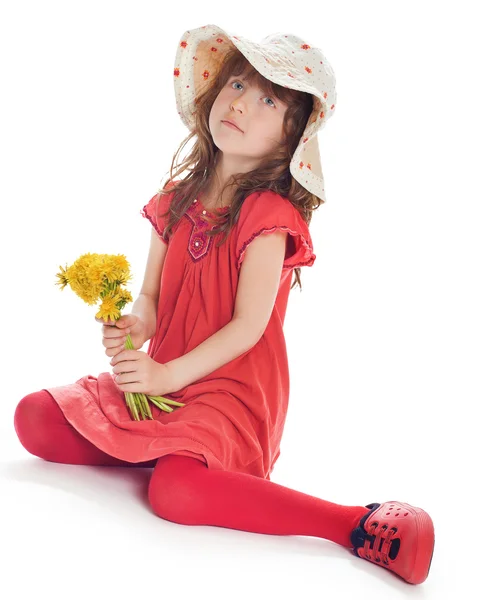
[156,209]
[267,211]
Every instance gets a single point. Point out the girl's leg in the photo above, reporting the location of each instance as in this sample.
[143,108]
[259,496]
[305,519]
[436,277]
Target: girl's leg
[184,490]
[394,535]
[44,431]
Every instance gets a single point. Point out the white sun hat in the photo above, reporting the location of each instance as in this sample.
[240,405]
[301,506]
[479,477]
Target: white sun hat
[282,58]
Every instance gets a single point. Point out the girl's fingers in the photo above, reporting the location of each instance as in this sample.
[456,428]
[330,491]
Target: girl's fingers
[114,351]
[109,330]
[111,334]
[114,332]
[118,346]
[118,343]
[113,342]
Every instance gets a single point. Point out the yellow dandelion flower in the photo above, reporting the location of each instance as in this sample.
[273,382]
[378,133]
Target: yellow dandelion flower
[124,278]
[120,262]
[117,268]
[126,296]
[81,285]
[96,272]
[62,277]
[108,309]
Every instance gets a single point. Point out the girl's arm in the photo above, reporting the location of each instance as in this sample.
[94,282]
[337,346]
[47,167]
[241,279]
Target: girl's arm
[233,340]
[145,307]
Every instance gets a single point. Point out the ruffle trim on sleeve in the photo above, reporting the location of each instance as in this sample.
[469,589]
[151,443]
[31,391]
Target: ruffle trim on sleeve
[144,212]
[149,212]
[299,249]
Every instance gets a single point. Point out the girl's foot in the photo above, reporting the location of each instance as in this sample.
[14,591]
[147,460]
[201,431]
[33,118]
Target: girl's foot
[398,537]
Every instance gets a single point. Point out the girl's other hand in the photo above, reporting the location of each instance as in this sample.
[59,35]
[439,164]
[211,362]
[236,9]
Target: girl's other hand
[115,333]
[137,372]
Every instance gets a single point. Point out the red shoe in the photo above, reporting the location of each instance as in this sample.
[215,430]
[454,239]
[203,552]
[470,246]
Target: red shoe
[398,537]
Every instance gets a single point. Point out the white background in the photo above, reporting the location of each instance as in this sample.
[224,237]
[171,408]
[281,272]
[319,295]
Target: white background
[389,342]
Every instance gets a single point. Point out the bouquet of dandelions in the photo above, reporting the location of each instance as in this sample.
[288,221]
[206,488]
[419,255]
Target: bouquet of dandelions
[95,277]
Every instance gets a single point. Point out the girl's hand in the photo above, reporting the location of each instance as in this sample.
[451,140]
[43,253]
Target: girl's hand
[137,372]
[115,333]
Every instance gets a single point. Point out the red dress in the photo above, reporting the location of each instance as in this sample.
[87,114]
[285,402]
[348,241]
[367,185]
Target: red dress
[234,417]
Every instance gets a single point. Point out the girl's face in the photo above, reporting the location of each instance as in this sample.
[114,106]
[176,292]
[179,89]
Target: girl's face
[259,116]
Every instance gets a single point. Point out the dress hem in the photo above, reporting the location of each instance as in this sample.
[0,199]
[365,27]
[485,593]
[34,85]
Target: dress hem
[87,418]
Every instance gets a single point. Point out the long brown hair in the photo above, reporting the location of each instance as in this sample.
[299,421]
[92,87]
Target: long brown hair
[273,174]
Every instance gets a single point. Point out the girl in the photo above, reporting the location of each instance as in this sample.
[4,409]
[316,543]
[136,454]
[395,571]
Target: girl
[212,305]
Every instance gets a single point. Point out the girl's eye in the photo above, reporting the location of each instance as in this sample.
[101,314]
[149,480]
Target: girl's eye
[273,103]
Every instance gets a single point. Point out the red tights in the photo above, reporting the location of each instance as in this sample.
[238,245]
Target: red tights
[184,490]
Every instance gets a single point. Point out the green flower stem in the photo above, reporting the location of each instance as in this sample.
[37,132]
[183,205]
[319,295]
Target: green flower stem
[137,402]
[131,406]
[162,400]
[145,405]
